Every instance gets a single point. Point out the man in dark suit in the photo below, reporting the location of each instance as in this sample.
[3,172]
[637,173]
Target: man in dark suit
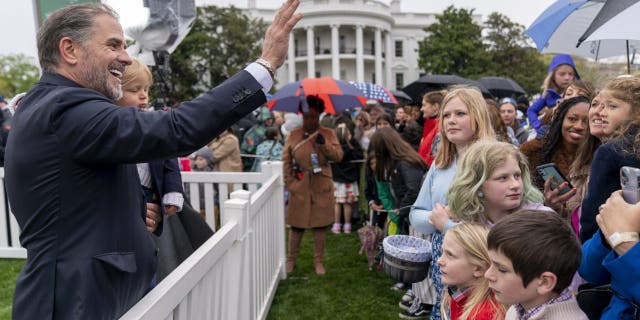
[70,165]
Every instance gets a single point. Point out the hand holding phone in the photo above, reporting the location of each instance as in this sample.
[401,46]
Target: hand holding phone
[549,171]
[630,182]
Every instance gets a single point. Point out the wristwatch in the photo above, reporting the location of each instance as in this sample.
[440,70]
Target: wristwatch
[618,238]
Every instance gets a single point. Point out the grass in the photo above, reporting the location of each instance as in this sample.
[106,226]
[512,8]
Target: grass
[349,290]
[9,269]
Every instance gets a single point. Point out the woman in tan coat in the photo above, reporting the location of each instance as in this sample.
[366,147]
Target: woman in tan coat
[307,175]
[226,154]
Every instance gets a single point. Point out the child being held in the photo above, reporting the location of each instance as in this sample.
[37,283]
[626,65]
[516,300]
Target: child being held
[463,263]
[534,255]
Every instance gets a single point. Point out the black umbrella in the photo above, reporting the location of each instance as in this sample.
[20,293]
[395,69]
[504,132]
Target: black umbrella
[435,82]
[399,94]
[501,87]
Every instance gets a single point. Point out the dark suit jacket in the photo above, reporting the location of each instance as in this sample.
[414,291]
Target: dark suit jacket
[74,189]
[165,177]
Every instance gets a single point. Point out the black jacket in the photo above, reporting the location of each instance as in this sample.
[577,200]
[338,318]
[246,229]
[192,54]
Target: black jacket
[347,171]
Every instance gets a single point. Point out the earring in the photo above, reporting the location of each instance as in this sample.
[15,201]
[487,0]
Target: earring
[480,194]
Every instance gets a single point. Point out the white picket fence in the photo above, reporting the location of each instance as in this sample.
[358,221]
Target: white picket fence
[234,274]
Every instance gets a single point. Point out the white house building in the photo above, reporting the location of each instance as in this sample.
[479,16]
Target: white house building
[356,40]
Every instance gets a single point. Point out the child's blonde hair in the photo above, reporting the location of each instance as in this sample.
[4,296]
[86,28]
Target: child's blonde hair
[476,167]
[135,71]
[480,123]
[472,237]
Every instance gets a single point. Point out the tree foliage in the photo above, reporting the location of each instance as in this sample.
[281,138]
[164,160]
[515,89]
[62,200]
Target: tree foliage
[17,74]
[220,44]
[510,54]
[453,45]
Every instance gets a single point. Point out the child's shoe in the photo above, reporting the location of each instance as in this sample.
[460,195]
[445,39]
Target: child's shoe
[347,228]
[336,228]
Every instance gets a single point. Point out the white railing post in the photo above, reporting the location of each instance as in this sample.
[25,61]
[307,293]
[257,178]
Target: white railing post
[239,263]
[271,168]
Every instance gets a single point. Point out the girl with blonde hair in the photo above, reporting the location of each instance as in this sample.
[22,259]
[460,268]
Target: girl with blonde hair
[464,261]
[493,181]
[463,120]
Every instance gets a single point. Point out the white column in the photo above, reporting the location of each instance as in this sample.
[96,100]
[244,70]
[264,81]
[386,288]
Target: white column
[359,54]
[335,52]
[378,56]
[291,55]
[311,54]
[388,61]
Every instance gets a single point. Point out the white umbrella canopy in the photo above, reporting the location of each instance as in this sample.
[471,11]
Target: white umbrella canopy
[621,26]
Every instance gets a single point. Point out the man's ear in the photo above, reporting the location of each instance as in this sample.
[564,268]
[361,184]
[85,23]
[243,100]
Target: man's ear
[69,51]
[546,282]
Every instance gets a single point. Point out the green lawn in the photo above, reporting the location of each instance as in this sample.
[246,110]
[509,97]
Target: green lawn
[9,269]
[348,290]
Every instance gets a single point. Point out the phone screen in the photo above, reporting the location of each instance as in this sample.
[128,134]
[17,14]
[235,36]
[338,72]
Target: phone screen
[550,172]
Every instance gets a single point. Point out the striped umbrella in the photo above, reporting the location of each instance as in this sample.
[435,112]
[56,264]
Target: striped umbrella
[337,95]
[375,91]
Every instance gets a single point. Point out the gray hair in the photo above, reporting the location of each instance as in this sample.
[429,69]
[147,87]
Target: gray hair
[74,22]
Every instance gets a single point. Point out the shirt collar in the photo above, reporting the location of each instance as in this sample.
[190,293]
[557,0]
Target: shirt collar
[525,315]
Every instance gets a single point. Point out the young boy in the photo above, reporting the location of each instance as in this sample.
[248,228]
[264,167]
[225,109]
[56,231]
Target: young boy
[534,256]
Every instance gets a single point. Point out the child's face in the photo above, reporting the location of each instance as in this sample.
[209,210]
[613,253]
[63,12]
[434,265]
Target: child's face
[614,112]
[429,109]
[381,123]
[507,285]
[457,123]
[455,266]
[564,76]
[135,94]
[200,162]
[573,92]
[503,189]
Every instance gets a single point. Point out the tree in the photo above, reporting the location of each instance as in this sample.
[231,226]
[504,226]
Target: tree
[453,45]
[220,43]
[511,55]
[17,74]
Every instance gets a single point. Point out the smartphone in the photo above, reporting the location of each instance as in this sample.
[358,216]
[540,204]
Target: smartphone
[630,182]
[550,171]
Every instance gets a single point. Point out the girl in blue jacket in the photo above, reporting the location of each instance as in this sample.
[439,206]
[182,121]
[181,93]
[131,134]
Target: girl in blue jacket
[562,72]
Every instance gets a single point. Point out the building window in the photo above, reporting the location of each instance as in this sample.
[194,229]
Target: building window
[297,77]
[295,48]
[317,46]
[399,81]
[373,47]
[399,50]
[343,74]
[318,74]
[343,45]
[373,77]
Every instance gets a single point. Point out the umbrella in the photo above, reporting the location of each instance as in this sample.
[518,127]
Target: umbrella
[375,91]
[434,82]
[399,94]
[502,87]
[337,95]
[559,27]
[612,23]
[370,237]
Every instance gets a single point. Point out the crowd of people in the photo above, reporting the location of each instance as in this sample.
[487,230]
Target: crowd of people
[460,170]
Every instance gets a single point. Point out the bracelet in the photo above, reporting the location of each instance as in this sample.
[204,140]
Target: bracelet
[267,65]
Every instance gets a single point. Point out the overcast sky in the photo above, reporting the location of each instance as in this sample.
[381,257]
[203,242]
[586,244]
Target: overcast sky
[18,26]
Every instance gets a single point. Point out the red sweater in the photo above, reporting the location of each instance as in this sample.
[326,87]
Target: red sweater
[428,133]
[485,311]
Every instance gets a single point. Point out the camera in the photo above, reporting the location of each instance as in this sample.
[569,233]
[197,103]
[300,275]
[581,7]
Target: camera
[630,180]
